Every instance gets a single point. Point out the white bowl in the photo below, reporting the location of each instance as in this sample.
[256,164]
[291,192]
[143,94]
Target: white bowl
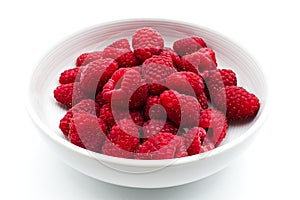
[46,113]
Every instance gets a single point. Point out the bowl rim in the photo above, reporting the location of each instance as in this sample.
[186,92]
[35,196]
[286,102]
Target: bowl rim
[147,163]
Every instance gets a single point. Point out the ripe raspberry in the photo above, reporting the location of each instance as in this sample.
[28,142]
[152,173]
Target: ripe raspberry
[161,146]
[111,149]
[215,123]
[87,131]
[96,75]
[181,109]
[70,75]
[86,58]
[153,127]
[202,100]
[69,94]
[99,99]
[186,83]
[87,105]
[155,70]
[239,103]
[124,135]
[217,79]
[153,109]
[147,42]
[124,57]
[126,87]
[110,117]
[188,45]
[120,44]
[197,62]
[193,140]
[175,58]
[210,53]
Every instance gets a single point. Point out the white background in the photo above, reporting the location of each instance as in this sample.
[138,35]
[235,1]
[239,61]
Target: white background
[269,30]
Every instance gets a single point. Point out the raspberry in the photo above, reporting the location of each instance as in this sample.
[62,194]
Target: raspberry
[86,58]
[100,100]
[202,100]
[124,135]
[124,57]
[70,75]
[199,61]
[239,103]
[120,44]
[155,70]
[217,79]
[136,117]
[107,116]
[69,94]
[96,75]
[175,58]
[87,105]
[188,45]
[186,83]
[181,109]
[126,87]
[116,150]
[87,131]
[147,42]
[215,123]
[153,127]
[193,140]
[110,117]
[161,146]
[210,53]
[153,110]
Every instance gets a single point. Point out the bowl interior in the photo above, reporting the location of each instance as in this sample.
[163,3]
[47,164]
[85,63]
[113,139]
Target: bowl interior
[45,77]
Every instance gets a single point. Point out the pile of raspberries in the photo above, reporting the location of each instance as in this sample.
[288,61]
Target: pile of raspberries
[147,101]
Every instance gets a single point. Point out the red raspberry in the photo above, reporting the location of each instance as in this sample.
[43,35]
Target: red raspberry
[153,109]
[100,100]
[193,140]
[111,149]
[155,70]
[86,58]
[87,105]
[126,87]
[136,117]
[87,131]
[215,123]
[199,61]
[239,103]
[152,127]
[175,58]
[96,75]
[110,117]
[70,75]
[181,109]
[188,45]
[120,44]
[186,83]
[124,135]
[124,57]
[69,94]
[147,42]
[107,116]
[161,146]
[217,79]
[210,53]
[202,100]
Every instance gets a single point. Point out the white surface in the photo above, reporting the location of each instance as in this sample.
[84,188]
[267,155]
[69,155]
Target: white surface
[269,30]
